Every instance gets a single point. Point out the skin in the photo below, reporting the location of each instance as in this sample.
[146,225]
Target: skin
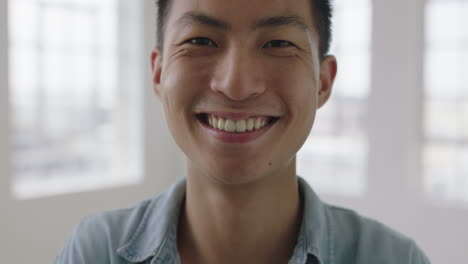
[242,203]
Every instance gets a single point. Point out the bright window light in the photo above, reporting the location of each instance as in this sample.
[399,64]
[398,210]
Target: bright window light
[334,158]
[75,95]
[445,149]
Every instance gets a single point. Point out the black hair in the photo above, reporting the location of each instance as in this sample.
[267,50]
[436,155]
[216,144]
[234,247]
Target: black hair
[322,12]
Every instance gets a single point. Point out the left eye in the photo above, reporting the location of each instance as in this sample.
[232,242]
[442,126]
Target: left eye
[201,41]
[278,44]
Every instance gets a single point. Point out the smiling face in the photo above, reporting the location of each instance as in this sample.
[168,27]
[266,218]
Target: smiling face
[240,82]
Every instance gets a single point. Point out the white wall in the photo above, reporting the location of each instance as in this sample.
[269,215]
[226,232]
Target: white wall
[32,231]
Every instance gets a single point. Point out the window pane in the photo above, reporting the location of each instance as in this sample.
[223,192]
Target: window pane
[334,158]
[446,171]
[74,125]
[444,120]
[445,73]
[446,101]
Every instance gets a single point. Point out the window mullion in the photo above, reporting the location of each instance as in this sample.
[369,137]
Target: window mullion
[394,107]
[4,107]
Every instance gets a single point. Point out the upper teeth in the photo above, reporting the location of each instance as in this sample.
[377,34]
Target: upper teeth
[239,126]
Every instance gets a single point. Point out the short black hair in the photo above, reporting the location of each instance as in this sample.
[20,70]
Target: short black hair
[322,13]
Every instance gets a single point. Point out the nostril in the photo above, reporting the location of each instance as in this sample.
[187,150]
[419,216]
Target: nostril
[238,88]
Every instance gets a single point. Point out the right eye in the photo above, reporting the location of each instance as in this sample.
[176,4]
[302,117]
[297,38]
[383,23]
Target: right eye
[200,41]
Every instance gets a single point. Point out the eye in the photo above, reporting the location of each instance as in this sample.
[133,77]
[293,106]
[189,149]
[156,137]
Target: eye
[278,44]
[200,41]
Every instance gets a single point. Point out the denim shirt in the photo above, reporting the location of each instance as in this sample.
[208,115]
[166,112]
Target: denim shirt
[146,233]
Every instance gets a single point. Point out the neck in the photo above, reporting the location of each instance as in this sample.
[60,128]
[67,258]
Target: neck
[251,223]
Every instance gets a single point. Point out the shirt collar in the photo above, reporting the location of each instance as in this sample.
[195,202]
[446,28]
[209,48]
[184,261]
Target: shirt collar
[315,238]
[317,229]
[156,233]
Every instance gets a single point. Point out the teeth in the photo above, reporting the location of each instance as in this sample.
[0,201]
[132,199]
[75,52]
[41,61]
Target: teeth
[230,126]
[250,124]
[238,126]
[221,124]
[258,123]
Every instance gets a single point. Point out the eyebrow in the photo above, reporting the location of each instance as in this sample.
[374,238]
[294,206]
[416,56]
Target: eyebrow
[190,18]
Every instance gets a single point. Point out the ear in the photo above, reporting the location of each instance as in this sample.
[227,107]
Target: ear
[328,69]
[156,70]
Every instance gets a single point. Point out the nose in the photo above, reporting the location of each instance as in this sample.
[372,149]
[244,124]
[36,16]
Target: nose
[238,76]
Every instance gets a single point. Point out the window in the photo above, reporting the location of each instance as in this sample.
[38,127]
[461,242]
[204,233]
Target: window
[446,100]
[75,99]
[334,158]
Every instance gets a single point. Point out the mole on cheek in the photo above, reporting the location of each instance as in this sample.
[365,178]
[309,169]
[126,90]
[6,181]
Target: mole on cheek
[269,163]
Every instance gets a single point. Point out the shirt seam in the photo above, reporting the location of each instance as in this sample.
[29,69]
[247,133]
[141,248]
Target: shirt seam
[130,251]
[159,249]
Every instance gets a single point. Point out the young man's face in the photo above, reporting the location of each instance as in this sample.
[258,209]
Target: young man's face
[238,61]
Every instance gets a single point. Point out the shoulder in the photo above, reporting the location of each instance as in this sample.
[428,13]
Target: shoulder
[97,237]
[365,240]
[125,235]
[115,226]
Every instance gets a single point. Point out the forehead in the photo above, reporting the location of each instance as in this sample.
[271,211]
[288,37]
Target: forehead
[240,13]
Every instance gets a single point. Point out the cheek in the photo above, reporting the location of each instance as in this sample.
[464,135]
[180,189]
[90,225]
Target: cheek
[296,85]
[181,84]
[175,95]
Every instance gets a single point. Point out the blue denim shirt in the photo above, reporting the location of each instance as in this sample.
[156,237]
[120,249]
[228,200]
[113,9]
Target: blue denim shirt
[146,233]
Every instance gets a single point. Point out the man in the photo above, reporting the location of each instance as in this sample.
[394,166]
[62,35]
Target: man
[240,82]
